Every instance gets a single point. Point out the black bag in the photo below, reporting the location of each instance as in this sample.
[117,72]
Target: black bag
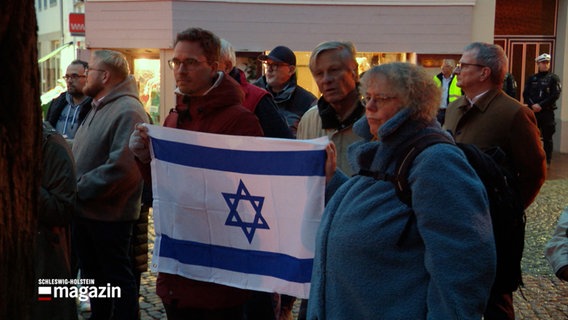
[507,212]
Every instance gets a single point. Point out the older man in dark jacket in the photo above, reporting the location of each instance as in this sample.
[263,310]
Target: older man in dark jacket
[280,80]
[487,117]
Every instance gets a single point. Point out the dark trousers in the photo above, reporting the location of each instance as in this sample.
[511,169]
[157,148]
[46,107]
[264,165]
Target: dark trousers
[175,313]
[441,116]
[500,307]
[260,306]
[547,127]
[103,252]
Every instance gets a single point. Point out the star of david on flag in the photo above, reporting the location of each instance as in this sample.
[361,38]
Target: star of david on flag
[234,219]
[238,211]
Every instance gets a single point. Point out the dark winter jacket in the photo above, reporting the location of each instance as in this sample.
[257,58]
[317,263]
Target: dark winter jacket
[58,104]
[543,88]
[260,102]
[293,101]
[57,203]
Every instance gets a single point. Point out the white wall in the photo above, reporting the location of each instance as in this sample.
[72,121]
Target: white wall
[257,27]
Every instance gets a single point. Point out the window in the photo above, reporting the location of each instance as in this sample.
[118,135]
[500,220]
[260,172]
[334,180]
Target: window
[52,3]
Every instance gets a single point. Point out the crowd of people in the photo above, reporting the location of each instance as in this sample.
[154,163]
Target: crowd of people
[438,251]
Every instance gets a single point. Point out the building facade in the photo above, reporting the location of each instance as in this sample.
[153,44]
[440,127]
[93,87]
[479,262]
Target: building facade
[419,31]
[61,34]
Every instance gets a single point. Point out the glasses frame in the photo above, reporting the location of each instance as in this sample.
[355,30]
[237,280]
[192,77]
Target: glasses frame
[274,65]
[464,64]
[379,99]
[189,63]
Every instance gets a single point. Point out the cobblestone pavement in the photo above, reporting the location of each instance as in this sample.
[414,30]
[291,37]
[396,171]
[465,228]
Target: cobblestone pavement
[546,296]
[543,296]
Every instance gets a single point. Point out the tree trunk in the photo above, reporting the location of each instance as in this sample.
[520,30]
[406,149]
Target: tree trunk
[20,156]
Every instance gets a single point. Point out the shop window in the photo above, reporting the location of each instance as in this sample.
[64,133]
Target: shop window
[147,74]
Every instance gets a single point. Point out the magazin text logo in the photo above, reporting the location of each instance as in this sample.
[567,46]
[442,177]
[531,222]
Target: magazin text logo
[57,289]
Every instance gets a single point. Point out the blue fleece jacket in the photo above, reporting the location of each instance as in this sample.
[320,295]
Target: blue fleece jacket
[444,267]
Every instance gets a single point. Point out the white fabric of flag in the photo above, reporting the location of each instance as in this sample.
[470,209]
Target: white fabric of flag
[234,210]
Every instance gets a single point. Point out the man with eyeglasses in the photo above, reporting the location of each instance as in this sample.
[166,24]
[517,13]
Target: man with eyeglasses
[109,185]
[487,117]
[66,112]
[281,81]
[211,102]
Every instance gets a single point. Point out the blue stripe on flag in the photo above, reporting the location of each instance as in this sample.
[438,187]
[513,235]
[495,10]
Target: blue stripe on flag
[239,260]
[247,162]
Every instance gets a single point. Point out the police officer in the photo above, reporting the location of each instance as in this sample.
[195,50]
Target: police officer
[541,92]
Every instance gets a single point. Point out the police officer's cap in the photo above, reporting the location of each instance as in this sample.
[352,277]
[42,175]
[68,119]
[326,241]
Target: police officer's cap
[542,57]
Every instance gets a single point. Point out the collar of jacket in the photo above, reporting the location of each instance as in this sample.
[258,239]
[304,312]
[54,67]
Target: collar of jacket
[224,92]
[70,101]
[372,155]
[329,118]
[125,88]
[285,94]
[482,103]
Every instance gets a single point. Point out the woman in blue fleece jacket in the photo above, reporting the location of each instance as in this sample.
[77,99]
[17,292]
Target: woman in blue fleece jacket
[445,266]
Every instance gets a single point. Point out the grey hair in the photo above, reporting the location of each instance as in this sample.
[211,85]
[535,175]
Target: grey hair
[228,52]
[449,62]
[412,85]
[493,57]
[346,49]
[114,61]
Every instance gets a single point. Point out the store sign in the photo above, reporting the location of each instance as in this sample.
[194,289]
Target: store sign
[77,24]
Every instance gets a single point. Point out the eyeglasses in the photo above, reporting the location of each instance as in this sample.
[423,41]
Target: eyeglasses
[379,99]
[73,76]
[188,63]
[273,65]
[463,64]
[93,69]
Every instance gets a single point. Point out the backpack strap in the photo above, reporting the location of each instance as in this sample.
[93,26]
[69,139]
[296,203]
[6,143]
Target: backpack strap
[404,158]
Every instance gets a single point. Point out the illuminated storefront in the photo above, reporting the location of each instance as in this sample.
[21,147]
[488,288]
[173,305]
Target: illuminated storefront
[382,31]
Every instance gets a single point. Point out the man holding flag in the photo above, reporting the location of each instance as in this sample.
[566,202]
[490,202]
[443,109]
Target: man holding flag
[212,102]
[232,213]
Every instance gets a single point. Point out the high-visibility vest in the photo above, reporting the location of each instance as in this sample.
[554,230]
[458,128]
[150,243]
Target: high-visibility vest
[454,91]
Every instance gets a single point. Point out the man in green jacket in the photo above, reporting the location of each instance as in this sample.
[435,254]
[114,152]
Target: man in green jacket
[447,82]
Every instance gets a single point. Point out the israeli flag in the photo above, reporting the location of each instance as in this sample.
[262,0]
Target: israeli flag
[234,210]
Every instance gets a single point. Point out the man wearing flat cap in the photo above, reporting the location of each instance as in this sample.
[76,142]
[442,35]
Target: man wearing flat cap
[541,92]
[280,80]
